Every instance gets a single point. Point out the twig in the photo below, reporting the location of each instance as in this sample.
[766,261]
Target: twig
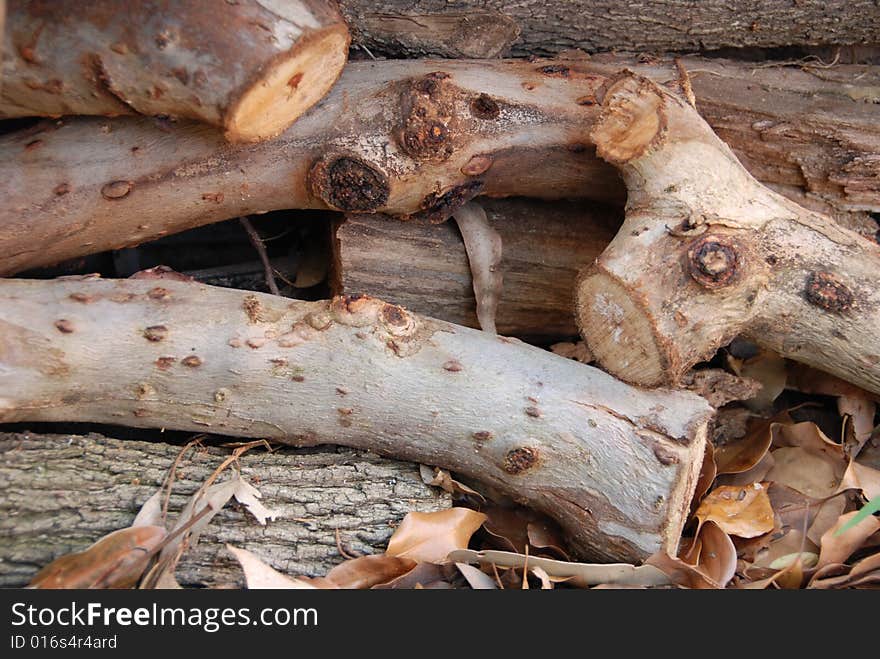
[257,242]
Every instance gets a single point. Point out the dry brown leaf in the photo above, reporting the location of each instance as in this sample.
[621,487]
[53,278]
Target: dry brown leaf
[826,516]
[809,473]
[837,548]
[259,575]
[717,554]
[791,542]
[681,573]
[115,561]
[443,479]
[862,410]
[150,513]
[744,511]
[581,575]
[369,571]
[482,243]
[809,380]
[421,576]
[508,526]
[859,477]
[543,534]
[708,472]
[793,509]
[769,369]
[806,460]
[756,474]
[429,537]
[741,455]
[477,579]
[249,496]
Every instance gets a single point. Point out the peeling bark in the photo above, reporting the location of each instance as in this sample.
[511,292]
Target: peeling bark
[61,493]
[415,140]
[707,253]
[425,268]
[616,466]
[251,67]
[484,249]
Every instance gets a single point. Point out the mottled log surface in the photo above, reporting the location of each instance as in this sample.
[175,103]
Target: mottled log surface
[416,139]
[63,492]
[613,464]
[707,253]
[249,67]
[425,268]
[416,28]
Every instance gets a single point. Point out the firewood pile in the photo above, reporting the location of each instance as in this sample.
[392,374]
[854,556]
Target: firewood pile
[610,275]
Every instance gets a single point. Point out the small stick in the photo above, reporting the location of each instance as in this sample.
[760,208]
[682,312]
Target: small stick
[257,242]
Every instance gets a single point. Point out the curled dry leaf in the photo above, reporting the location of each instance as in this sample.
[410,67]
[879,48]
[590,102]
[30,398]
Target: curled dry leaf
[743,454]
[430,537]
[543,534]
[259,575]
[483,246]
[708,472]
[249,496]
[744,511]
[421,576]
[582,575]
[791,542]
[826,517]
[861,410]
[806,460]
[859,477]
[443,479]
[717,554]
[150,513]
[115,561]
[369,571]
[768,369]
[477,579]
[837,548]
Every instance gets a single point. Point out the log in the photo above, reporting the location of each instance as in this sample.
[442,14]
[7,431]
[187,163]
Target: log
[707,253]
[249,67]
[615,465]
[425,268]
[497,128]
[64,492]
[404,28]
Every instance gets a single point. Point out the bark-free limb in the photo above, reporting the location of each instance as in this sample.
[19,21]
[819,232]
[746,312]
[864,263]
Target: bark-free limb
[707,253]
[249,67]
[400,27]
[614,464]
[63,492]
[406,138]
[425,268]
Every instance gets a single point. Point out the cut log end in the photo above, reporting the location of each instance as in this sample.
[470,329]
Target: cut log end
[618,332]
[289,87]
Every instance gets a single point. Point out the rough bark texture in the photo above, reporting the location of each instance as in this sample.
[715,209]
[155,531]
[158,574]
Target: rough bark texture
[400,27]
[707,253]
[63,492]
[251,67]
[413,139]
[425,268]
[615,465]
